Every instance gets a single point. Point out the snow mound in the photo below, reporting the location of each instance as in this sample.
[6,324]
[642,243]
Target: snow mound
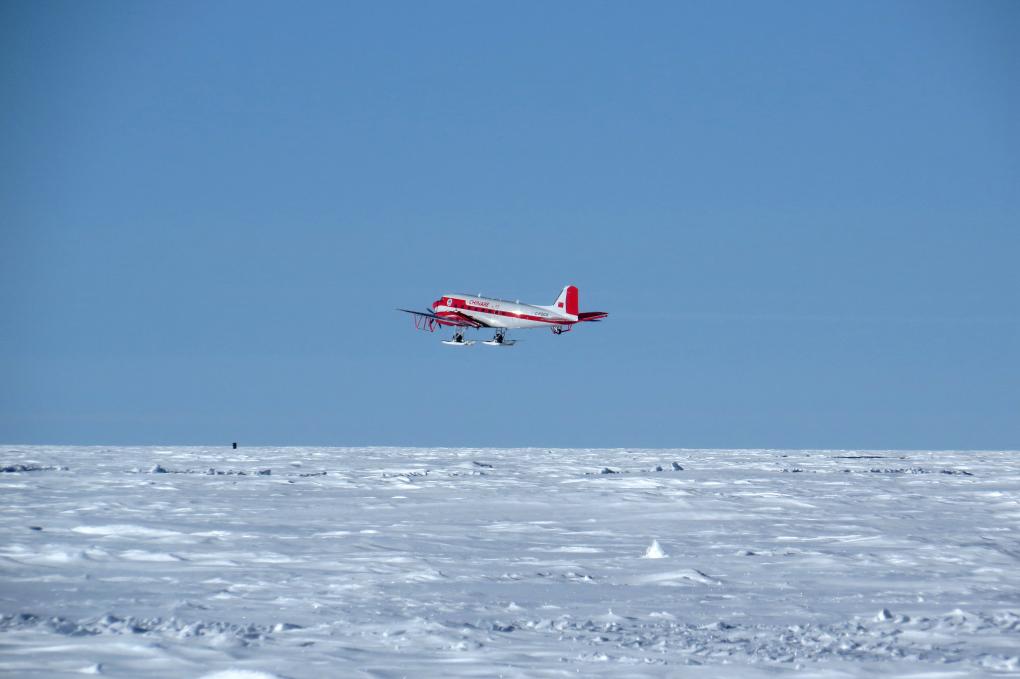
[125,531]
[240,674]
[677,578]
[18,468]
[654,551]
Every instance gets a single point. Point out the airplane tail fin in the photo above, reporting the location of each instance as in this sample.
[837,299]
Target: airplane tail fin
[567,302]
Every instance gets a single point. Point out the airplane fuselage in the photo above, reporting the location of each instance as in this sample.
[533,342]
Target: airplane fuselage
[498,313]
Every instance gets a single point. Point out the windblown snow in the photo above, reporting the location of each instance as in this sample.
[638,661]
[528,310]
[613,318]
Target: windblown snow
[267,563]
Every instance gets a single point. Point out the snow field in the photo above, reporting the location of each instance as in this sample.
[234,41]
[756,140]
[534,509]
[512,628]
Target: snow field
[379,562]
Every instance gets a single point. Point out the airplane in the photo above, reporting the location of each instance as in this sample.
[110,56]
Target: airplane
[461,311]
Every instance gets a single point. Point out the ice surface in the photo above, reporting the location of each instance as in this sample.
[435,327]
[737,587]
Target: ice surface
[386,562]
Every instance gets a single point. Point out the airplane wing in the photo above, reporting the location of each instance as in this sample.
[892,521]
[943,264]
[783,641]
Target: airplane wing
[592,316]
[429,320]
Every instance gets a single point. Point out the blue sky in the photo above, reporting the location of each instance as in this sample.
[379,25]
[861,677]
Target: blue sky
[803,218]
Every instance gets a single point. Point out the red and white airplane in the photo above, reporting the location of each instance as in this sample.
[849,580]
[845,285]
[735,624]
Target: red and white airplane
[474,311]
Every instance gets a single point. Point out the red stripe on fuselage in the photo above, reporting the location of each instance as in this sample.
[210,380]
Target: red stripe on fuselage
[467,307]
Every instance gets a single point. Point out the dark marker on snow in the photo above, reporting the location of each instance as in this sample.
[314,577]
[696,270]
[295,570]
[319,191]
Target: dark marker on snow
[235,445]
